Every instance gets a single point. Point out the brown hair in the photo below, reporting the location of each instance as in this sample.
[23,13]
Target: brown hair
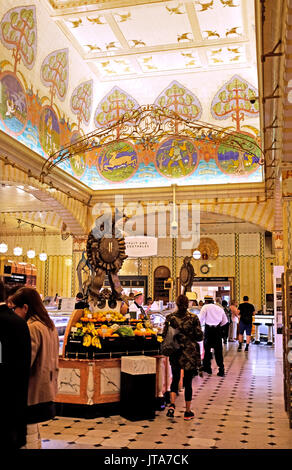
[36,308]
[182,303]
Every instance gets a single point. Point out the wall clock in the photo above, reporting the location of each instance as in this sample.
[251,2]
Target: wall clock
[204,269]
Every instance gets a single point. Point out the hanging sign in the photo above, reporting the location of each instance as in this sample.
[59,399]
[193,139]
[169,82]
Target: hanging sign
[140,247]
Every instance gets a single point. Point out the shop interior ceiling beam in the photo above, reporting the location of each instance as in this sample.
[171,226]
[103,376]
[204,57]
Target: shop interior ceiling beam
[15,153]
[244,193]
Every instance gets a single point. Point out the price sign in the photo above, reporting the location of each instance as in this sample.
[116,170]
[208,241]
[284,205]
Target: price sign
[108,316]
[73,329]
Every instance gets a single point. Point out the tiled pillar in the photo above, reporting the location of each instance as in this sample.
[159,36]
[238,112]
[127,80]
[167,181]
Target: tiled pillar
[139,266]
[237,268]
[289,222]
[174,248]
[263,269]
[150,277]
[46,287]
[73,277]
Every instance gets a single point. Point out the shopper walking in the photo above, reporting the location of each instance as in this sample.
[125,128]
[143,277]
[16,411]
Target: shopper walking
[187,358]
[213,317]
[42,388]
[234,320]
[246,312]
[15,353]
[225,328]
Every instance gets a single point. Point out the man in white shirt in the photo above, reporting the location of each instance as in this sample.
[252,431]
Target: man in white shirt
[213,317]
[136,308]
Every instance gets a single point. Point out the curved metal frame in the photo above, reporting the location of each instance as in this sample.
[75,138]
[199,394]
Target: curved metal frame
[146,126]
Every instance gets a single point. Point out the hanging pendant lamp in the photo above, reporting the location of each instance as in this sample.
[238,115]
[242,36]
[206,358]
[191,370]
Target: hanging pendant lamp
[17,250]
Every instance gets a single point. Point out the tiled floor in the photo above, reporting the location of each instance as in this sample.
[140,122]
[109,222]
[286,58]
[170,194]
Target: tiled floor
[243,410]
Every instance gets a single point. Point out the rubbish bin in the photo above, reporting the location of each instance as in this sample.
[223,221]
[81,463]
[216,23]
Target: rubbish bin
[138,386]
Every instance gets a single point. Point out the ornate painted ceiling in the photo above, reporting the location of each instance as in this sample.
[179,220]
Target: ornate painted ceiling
[70,67]
[145,40]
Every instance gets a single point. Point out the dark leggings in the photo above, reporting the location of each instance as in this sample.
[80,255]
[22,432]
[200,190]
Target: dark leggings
[187,382]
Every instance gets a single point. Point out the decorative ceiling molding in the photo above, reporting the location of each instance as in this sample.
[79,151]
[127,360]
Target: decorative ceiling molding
[161,30]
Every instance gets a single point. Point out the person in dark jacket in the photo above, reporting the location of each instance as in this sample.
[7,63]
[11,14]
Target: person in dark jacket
[246,312]
[225,328]
[187,358]
[44,368]
[15,356]
[80,302]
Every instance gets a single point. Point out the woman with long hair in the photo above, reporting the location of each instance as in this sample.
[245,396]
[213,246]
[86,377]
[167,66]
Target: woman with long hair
[234,320]
[187,357]
[42,388]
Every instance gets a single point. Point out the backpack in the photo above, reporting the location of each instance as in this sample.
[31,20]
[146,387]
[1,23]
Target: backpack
[170,344]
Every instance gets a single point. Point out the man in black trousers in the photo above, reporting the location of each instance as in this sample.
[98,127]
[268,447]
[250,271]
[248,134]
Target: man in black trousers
[15,355]
[213,317]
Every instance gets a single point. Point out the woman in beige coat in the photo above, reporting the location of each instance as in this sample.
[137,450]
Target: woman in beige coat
[42,388]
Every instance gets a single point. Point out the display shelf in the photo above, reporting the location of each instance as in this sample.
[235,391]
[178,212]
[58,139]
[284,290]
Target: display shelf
[93,339]
[287,338]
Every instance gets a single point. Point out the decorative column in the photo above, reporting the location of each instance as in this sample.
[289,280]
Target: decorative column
[139,266]
[73,275]
[278,222]
[174,249]
[237,268]
[289,234]
[279,248]
[46,287]
[263,269]
[150,277]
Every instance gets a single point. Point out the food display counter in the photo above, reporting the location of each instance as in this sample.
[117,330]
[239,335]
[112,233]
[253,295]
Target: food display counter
[90,363]
[60,319]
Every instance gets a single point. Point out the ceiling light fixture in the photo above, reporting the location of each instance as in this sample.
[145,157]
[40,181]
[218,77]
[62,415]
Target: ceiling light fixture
[17,250]
[196,254]
[43,254]
[31,252]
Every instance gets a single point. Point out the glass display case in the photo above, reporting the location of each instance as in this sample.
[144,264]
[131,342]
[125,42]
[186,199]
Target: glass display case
[60,319]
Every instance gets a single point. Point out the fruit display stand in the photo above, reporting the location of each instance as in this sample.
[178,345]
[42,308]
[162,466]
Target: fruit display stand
[90,365]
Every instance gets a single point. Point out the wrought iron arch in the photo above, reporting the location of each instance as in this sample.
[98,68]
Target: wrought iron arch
[146,126]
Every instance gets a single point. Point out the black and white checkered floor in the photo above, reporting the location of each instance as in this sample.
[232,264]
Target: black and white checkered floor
[243,410]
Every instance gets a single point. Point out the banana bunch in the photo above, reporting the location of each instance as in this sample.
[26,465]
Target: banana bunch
[91,329]
[86,312]
[96,342]
[139,326]
[87,340]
